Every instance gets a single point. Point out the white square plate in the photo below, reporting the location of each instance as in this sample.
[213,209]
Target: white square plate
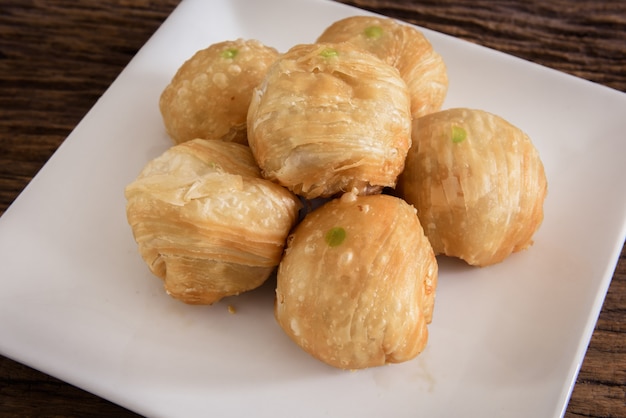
[77,301]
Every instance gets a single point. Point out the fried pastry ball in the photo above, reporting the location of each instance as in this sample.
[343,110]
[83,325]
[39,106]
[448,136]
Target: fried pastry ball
[404,47]
[356,286]
[477,182]
[210,94]
[329,118]
[206,222]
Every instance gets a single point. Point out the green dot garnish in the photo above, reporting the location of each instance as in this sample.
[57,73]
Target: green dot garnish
[458,134]
[230,53]
[335,236]
[373,32]
[329,52]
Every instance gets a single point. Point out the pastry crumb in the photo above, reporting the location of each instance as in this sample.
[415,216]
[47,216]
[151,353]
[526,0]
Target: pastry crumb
[231,309]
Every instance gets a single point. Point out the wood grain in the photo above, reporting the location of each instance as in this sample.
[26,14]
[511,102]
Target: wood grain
[58,56]
[582,38]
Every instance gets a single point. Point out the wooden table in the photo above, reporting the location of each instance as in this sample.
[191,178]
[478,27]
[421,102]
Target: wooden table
[57,57]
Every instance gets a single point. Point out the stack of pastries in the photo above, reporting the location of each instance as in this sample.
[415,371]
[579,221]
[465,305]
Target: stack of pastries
[334,165]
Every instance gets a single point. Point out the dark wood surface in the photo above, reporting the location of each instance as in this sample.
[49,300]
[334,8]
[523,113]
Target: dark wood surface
[58,56]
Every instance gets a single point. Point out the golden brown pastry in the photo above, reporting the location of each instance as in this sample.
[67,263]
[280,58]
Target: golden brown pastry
[329,118]
[210,94]
[356,286]
[477,182]
[206,222]
[404,47]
